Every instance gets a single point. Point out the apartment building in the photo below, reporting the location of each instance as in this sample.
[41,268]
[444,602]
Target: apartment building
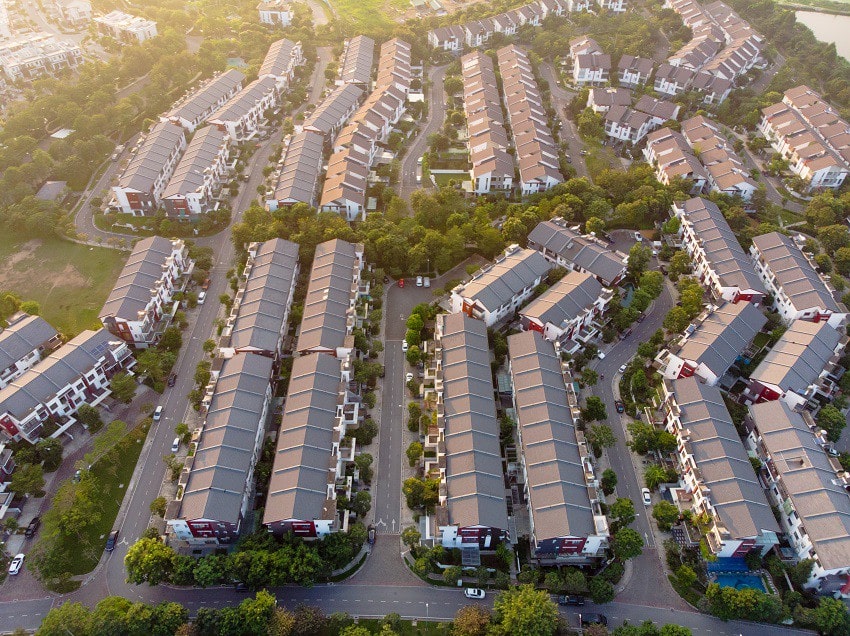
[718,259]
[198,178]
[330,307]
[539,168]
[259,318]
[51,391]
[215,487]
[565,247]
[715,471]
[73,13]
[332,113]
[810,134]
[807,487]
[125,27]
[798,290]
[140,306]
[712,344]
[356,66]
[275,12]
[802,367]
[566,520]
[242,116]
[300,166]
[193,110]
[633,71]
[24,342]
[140,186]
[496,291]
[34,55]
[281,60]
[472,510]
[568,309]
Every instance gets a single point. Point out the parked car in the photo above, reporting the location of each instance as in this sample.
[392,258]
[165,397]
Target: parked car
[569,159]
[175,445]
[206,284]
[474,592]
[401,282]
[623,368]
[241,587]
[32,528]
[570,600]
[157,414]
[386,279]
[172,379]
[641,317]
[202,297]
[16,564]
[593,619]
[639,237]
[111,540]
[77,477]
[372,534]
[408,377]
[647,496]
[601,355]
[583,152]
[404,345]
[426,282]
[621,408]
[419,281]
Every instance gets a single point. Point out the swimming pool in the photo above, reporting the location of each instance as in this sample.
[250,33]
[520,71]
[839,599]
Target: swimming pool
[740,581]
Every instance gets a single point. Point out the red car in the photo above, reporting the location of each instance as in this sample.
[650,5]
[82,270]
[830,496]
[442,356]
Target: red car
[401,282]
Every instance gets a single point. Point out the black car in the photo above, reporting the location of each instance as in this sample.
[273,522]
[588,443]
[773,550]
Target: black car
[593,619]
[621,408]
[241,587]
[371,534]
[570,600]
[32,527]
[172,379]
[111,541]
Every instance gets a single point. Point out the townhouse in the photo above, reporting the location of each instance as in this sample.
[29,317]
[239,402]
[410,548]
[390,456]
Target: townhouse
[197,179]
[591,69]
[141,184]
[672,80]
[568,309]
[807,487]
[798,290]
[281,60]
[600,100]
[449,38]
[492,166]
[535,146]
[44,399]
[24,342]
[583,45]
[496,291]
[670,154]
[242,116]
[394,66]
[802,367]
[565,247]
[33,55]
[346,180]
[275,12]
[625,124]
[194,109]
[300,166]
[259,318]
[659,110]
[711,345]
[356,66]
[633,71]
[615,6]
[713,88]
[330,312]
[462,450]
[809,133]
[125,27]
[214,489]
[73,13]
[140,306]
[332,113]
[718,260]
[566,520]
[716,475]
[478,32]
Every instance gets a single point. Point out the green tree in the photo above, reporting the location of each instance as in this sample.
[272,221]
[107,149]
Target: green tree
[833,237]
[524,610]
[639,256]
[171,339]
[209,345]
[413,355]
[148,561]
[622,512]
[90,416]
[832,420]
[255,613]
[364,465]
[414,452]
[123,387]
[666,514]
[627,544]
[28,480]
[182,431]
[158,506]
[67,617]
[361,503]
[680,264]
[686,576]
[589,377]
[654,476]
[600,436]
[594,225]
[601,591]
[49,451]
[575,581]
[608,481]
[594,409]
[471,620]
[452,575]
[830,617]
[676,320]
[411,537]
[652,282]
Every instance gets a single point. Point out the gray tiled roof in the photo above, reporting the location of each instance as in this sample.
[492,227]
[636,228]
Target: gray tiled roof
[333,107]
[498,284]
[565,300]
[22,337]
[357,62]
[278,60]
[132,291]
[244,101]
[735,492]
[807,476]
[200,154]
[225,453]
[300,170]
[722,336]
[146,165]
[586,253]
[474,482]
[298,487]
[201,103]
[799,357]
[560,506]
[266,298]
[794,273]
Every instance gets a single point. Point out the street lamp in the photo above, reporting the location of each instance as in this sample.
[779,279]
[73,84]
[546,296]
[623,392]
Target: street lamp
[427,615]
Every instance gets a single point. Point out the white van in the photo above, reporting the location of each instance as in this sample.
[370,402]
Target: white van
[175,445]
[157,414]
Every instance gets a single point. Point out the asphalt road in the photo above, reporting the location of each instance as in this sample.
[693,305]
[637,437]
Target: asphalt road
[433,123]
[561,99]
[386,489]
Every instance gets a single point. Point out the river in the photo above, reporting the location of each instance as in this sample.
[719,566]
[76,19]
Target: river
[828,28]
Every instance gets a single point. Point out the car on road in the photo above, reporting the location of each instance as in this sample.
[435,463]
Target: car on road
[570,600]
[601,355]
[641,317]
[175,445]
[157,414]
[647,496]
[241,587]
[621,408]
[623,368]
[404,345]
[202,297]
[172,379]
[592,619]
[111,540]
[419,281]
[426,282]
[32,527]
[408,377]
[401,282]
[474,592]
[206,284]
[583,152]
[16,564]
[372,534]
[638,237]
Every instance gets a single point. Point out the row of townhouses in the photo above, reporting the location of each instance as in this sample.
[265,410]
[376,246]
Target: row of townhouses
[357,60]
[35,54]
[632,123]
[24,342]
[335,109]
[73,13]
[718,168]
[125,27]
[811,135]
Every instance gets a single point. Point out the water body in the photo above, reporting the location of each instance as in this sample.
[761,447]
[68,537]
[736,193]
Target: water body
[828,28]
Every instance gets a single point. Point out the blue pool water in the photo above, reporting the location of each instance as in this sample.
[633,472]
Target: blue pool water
[741,581]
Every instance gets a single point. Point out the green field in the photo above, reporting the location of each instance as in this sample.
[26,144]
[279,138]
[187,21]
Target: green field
[370,15]
[69,281]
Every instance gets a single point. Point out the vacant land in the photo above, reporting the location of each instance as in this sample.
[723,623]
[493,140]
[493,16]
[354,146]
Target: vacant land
[371,15]
[69,281]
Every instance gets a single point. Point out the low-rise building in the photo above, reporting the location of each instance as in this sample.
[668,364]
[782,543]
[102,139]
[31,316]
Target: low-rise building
[125,27]
[74,13]
[496,291]
[281,60]
[712,344]
[449,38]
[625,124]
[670,154]
[24,342]
[566,520]
[716,472]
[332,113]
[633,71]
[197,179]
[601,100]
[34,55]
[140,306]
[591,69]
[616,6]
[242,116]
[275,12]
[300,166]
[798,291]
[672,80]
[193,110]
[583,45]
[356,66]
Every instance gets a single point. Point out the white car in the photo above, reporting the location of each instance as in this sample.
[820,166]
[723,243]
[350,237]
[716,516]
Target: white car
[601,355]
[16,564]
[419,281]
[408,377]
[474,592]
[638,237]
[157,414]
[426,282]
[623,368]
[404,345]
[647,496]
[202,297]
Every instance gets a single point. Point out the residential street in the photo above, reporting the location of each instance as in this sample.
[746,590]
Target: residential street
[432,123]
[561,99]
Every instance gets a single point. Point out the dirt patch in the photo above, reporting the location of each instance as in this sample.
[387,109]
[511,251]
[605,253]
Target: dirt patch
[25,251]
[23,265]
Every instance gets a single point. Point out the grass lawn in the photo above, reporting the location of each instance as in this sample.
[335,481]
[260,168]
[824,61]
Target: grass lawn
[406,628]
[113,475]
[760,340]
[68,280]
[370,15]
[443,179]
